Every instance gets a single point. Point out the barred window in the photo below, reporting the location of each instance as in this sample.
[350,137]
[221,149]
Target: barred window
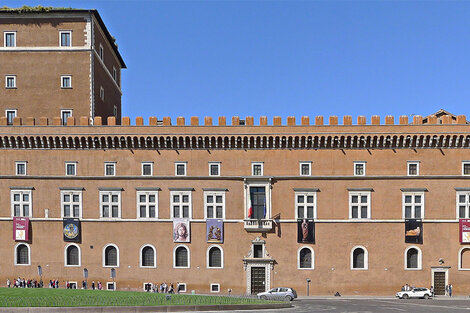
[359,258]
[412,258]
[110,256]
[181,257]
[73,256]
[22,254]
[215,257]
[305,258]
[148,256]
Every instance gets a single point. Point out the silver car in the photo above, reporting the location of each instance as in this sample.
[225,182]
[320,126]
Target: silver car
[281,293]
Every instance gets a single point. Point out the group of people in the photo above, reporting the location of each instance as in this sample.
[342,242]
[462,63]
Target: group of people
[449,290]
[54,283]
[98,286]
[162,288]
[24,283]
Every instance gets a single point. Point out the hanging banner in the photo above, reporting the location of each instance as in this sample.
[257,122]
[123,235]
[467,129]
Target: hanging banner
[181,231]
[71,230]
[413,230]
[215,230]
[305,231]
[21,228]
[464,230]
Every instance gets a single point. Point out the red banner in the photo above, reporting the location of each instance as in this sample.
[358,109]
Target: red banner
[464,230]
[21,228]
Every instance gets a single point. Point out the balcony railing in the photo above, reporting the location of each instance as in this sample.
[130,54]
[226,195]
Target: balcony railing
[261,225]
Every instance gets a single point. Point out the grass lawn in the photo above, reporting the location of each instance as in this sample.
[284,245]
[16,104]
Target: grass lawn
[46,297]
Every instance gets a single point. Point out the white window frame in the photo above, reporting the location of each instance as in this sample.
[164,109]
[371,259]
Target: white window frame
[359,194]
[309,163]
[306,194]
[74,168]
[466,204]
[151,286]
[147,193]
[16,254]
[14,81]
[104,255]
[64,120]
[214,164]
[110,194]
[8,111]
[267,186]
[101,52]
[60,38]
[5,33]
[313,258]
[221,257]
[79,255]
[408,163]
[25,163]
[101,93]
[114,166]
[214,204]
[184,290]
[218,287]
[463,167]
[420,262]
[62,85]
[366,259]
[154,256]
[190,204]
[412,204]
[185,164]
[363,163]
[143,164]
[174,257]
[113,283]
[253,164]
[71,193]
[460,268]
[21,202]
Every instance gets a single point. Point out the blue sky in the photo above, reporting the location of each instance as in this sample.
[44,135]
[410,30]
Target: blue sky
[211,58]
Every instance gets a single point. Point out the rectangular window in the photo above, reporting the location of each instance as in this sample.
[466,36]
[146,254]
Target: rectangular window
[214,168]
[114,74]
[466,168]
[115,111]
[463,204]
[9,39]
[65,81]
[102,93]
[147,168]
[257,168]
[110,204]
[214,203]
[20,168]
[180,202]
[359,205]
[65,38]
[305,168]
[181,287]
[147,204]
[10,114]
[257,250]
[359,168]
[70,168]
[305,204]
[101,52]
[412,168]
[65,114]
[180,169]
[111,286]
[21,204]
[71,201]
[215,287]
[413,205]
[109,168]
[257,204]
[10,81]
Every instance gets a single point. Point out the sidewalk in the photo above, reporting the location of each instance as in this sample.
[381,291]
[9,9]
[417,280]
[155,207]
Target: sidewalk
[352,297]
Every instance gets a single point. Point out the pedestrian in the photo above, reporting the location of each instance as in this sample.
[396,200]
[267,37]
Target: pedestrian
[8,283]
[93,285]
[171,289]
[450,290]
[177,287]
[447,290]
[432,291]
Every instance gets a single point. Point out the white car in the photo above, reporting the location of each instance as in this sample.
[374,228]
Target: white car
[415,293]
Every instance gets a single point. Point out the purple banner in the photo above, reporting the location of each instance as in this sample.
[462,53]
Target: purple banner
[215,230]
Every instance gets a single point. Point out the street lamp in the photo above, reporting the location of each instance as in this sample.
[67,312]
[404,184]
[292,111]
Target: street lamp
[113,276]
[85,275]
[308,286]
[40,275]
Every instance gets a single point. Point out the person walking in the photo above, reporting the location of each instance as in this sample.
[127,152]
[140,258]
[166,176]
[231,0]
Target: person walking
[450,290]
[8,282]
[447,290]
[93,285]
[432,291]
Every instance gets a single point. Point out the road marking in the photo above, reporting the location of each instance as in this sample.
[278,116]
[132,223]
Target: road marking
[426,305]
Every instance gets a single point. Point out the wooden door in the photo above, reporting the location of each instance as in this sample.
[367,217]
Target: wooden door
[258,280]
[439,283]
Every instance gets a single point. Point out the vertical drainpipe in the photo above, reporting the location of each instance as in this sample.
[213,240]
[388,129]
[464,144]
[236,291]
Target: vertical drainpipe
[92,68]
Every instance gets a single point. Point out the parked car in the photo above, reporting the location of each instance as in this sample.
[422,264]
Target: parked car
[282,293]
[415,293]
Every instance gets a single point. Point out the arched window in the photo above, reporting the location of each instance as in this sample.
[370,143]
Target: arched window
[464,259]
[215,257]
[181,257]
[305,258]
[22,254]
[148,256]
[72,255]
[111,256]
[412,258]
[359,258]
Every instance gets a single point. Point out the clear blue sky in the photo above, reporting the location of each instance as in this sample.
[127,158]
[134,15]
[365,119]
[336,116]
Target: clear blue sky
[211,58]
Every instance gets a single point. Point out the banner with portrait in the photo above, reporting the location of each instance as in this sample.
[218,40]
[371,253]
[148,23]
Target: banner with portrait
[21,228]
[464,230]
[413,230]
[215,230]
[181,231]
[71,230]
[305,231]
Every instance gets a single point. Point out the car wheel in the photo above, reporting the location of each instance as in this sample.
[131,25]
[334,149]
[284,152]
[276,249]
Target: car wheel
[426,296]
[406,296]
[288,298]
[263,298]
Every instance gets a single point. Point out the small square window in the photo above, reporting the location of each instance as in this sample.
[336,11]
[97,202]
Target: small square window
[215,287]
[180,169]
[305,168]
[9,39]
[10,81]
[65,114]
[359,168]
[413,168]
[181,287]
[214,168]
[109,169]
[66,81]
[102,93]
[258,251]
[147,169]
[466,168]
[65,38]
[257,169]
[10,115]
[21,168]
[70,168]
[111,286]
